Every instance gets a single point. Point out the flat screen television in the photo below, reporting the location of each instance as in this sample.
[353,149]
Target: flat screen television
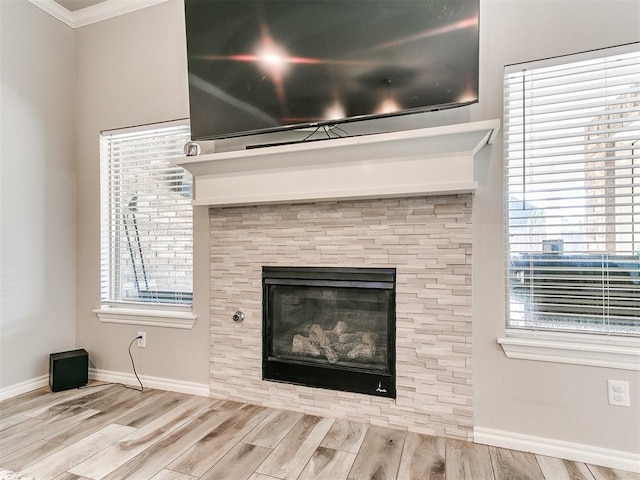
[268,65]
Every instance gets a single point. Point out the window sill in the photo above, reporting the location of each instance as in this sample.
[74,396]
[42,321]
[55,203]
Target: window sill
[139,316]
[573,348]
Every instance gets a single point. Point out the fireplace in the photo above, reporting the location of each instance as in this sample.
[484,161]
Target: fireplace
[425,240]
[400,200]
[331,328]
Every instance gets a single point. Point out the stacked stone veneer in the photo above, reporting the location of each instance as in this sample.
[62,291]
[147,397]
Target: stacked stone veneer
[428,241]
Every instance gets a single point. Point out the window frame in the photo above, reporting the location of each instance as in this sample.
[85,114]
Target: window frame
[160,313]
[603,349]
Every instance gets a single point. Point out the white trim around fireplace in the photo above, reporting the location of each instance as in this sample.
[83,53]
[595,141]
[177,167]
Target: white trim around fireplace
[427,161]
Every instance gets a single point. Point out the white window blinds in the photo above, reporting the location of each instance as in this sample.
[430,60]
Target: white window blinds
[572,173]
[146,216]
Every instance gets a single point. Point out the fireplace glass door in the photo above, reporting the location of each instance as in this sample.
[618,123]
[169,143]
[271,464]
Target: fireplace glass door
[330,328]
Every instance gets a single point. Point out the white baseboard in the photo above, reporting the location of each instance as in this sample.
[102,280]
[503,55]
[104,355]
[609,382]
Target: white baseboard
[558,448]
[24,387]
[168,384]
[148,381]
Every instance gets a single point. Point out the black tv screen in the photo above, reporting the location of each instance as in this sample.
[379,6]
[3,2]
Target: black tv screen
[268,65]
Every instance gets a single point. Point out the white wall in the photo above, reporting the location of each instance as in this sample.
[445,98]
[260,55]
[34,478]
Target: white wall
[563,402]
[37,191]
[132,70]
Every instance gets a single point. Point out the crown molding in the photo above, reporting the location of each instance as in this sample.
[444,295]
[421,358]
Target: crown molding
[55,10]
[109,9]
[96,13]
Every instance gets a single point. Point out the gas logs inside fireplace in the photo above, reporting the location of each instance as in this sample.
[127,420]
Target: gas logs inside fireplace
[335,342]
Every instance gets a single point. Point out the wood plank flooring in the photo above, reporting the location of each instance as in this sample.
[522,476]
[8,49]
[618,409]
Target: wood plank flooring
[112,432]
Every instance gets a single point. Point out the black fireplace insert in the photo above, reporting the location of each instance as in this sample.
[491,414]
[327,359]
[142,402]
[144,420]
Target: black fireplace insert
[330,328]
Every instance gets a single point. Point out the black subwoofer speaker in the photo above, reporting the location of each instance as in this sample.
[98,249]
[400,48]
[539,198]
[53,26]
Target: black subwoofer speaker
[68,369]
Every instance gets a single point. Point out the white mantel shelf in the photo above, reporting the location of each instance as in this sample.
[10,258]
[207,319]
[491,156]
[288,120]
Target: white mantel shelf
[428,161]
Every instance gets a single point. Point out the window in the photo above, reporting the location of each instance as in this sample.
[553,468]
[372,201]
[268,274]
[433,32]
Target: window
[146,219]
[572,173]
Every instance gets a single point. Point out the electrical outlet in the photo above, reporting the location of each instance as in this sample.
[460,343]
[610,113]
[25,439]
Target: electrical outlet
[618,393]
[142,342]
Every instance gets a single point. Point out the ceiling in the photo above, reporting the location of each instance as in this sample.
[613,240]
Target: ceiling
[79,13]
[73,5]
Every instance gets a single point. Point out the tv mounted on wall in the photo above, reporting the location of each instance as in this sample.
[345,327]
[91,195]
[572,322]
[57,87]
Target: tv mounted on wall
[267,65]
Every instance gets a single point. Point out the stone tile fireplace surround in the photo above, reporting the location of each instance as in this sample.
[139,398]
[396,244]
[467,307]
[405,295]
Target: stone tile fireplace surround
[428,241]
[398,200]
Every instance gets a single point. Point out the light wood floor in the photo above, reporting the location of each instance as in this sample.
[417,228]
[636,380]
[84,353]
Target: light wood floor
[111,432]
